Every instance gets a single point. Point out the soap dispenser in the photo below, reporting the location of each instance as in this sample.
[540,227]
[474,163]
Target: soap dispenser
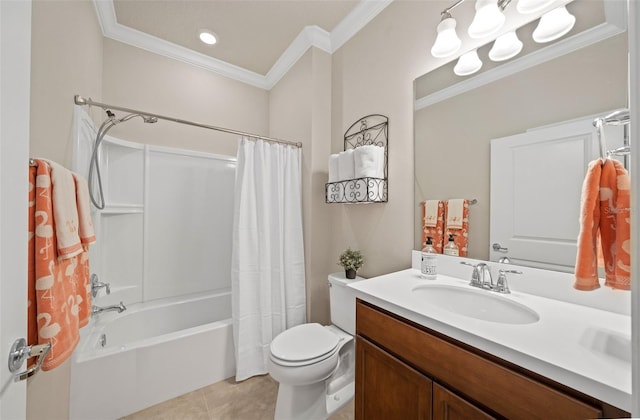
[451,248]
[428,267]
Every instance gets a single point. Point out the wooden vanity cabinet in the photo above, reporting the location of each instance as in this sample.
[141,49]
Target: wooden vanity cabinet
[406,371]
[393,390]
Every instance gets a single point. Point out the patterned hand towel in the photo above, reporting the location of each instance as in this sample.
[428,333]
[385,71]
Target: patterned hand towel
[59,297]
[604,227]
[615,218]
[457,223]
[586,270]
[433,223]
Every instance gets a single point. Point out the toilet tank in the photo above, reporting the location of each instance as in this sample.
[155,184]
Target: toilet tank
[342,300]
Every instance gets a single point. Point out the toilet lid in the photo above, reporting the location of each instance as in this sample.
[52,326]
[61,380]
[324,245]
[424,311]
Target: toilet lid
[304,343]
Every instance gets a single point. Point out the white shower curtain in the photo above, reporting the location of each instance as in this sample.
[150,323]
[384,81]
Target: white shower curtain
[267,268]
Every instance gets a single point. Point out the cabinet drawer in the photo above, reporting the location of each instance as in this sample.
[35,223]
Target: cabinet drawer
[502,390]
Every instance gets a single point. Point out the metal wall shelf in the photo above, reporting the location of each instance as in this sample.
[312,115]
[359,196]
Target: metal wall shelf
[372,129]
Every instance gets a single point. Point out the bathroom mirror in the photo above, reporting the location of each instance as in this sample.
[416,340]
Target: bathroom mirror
[455,118]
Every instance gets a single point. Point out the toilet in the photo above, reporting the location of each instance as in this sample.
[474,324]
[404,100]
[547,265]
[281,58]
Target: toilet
[315,364]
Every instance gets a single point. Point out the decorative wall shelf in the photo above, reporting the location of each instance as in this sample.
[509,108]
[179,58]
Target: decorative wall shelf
[372,129]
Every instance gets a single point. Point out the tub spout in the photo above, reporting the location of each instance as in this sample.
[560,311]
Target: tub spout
[97,309]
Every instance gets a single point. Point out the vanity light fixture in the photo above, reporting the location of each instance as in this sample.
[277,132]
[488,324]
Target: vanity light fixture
[207,36]
[505,47]
[468,63]
[447,42]
[488,19]
[553,25]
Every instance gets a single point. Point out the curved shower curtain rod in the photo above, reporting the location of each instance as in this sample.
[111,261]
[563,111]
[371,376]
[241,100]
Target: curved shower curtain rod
[79,100]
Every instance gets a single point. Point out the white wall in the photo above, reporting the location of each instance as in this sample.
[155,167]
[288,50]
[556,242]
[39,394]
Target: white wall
[300,111]
[374,73]
[137,79]
[66,58]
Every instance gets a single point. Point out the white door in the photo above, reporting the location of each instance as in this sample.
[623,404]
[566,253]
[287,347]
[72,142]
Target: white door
[536,185]
[15,53]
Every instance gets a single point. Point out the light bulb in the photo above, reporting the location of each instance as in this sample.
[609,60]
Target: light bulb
[487,20]
[553,25]
[468,63]
[505,47]
[447,41]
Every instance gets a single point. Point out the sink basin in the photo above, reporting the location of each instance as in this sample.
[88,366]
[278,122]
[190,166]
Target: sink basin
[476,304]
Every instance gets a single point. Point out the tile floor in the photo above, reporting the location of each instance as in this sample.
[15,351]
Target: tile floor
[253,399]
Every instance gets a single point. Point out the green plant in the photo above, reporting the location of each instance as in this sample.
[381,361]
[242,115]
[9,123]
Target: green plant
[350,259]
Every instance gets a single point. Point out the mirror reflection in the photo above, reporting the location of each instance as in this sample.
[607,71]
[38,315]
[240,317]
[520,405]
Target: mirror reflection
[453,138]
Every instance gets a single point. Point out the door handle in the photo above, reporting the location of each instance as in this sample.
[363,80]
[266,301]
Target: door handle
[21,352]
[499,248]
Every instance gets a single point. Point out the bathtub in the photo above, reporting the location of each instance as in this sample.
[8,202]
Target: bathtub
[152,352]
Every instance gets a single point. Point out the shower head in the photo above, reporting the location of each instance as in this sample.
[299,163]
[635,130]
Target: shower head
[149,120]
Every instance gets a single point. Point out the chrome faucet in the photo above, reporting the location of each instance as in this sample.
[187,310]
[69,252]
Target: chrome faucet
[97,309]
[97,285]
[481,277]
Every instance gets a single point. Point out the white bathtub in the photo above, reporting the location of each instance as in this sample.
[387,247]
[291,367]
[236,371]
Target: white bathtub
[154,351]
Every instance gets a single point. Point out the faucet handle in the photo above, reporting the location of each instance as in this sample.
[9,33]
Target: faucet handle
[476,280]
[502,285]
[97,284]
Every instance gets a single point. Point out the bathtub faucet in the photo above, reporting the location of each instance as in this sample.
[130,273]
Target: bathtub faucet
[96,309]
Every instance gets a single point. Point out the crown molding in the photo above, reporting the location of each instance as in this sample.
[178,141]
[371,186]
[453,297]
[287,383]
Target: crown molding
[359,17]
[310,36]
[113,30]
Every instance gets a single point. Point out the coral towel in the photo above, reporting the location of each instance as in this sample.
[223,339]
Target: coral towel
[586,270]
[457,223]
[58,282]
[605,213]
[433,223]
[615,225]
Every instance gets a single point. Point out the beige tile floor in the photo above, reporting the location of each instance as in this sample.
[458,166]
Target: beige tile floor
[253,399]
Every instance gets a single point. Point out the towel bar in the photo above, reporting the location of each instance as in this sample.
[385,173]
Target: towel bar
[21,352]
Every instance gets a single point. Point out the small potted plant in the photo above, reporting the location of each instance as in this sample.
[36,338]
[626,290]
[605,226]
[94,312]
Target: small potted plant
[351,261]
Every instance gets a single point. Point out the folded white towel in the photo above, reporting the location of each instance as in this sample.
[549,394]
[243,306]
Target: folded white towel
[334,171]
[431,213]
[369,161]
[346,166]
[454,213]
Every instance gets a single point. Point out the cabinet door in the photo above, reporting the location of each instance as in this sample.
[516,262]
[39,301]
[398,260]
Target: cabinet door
[449,406]
[386,388]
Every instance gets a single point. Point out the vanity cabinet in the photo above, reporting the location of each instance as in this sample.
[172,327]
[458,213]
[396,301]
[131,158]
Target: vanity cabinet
[391,389]
[405,370]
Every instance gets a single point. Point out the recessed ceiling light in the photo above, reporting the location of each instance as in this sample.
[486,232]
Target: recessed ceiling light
[207,36]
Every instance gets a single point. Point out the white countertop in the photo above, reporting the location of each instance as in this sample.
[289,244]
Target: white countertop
[582,347]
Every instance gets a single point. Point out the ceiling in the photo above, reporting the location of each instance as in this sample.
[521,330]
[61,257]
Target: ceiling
[259,40]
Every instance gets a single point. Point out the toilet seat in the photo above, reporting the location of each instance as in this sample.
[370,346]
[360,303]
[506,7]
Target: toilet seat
[304,344]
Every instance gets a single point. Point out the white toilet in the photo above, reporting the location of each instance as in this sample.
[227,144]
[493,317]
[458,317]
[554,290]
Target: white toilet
[315,365]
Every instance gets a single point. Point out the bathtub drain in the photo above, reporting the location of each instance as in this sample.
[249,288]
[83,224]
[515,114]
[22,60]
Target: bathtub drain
[103,340]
